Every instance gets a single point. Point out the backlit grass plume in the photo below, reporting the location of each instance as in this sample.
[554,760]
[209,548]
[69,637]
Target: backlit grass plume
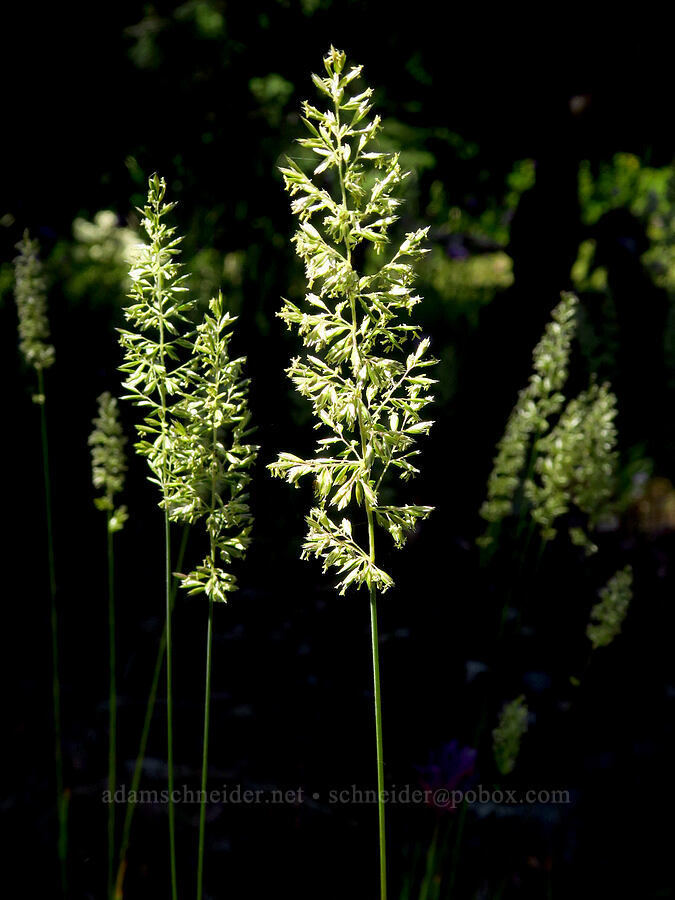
[211,456]
[108,462]
[557,463]
[31,303]
[367,394]
[508,734]
[209,478]
[576,461]
[154,380]
[30,292]
[540,399]
[608,615]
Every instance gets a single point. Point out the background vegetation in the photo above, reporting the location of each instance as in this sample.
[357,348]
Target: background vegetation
[542,154]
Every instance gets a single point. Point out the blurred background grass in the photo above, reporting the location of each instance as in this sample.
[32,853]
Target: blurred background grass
[541,147]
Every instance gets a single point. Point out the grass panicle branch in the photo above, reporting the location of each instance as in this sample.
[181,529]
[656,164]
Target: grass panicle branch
[211,454]
[576,462]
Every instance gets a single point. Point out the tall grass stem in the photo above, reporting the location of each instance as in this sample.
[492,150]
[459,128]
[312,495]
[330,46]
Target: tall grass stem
[61,802]
[145,733]
[378,739]
[205,753]
[112,705]
[169,705]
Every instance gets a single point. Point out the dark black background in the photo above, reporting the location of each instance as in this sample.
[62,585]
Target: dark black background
[292,703]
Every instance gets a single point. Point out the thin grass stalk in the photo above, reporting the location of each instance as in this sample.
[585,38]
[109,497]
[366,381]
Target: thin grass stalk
[61,802]
[353,389]
[149,365]
[456,848]
[109,465]
[169,705]
[175,435]
[30,291]
[213,397]
[145,734]
[377,692]
[430,866]
[169,609]
[207,688]
[378,740]
[205,753]
[112,705]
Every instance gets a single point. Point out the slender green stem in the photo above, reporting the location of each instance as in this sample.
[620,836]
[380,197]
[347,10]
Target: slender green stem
[61,802]
[169,604]
[371,543]
[205,753]
[430,866]
[169,705]
[209,647]
[456,847]
[112,705]
[145,733]
[516,578]
[532,459]
[378,713]
[534,568]
[378,738]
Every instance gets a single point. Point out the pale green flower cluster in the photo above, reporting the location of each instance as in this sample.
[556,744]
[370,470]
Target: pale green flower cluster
[194,433]
[540,399]
[576,461]
[572,460]
[108,459]
[157,310]
[608,615]
[507,736]
[367,395]
[30,292]
[210,455]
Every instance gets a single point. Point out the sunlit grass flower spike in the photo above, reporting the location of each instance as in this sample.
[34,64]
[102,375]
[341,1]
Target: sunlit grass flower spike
[367,392]
[30,291]
[155,377]
[554,464]
[364,390]
[209,475]
[211,455]
[108,459]
[540,399]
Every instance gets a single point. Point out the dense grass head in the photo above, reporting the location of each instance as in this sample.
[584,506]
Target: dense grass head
[108,459]
[210,453]
[368,394]
[30,290]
